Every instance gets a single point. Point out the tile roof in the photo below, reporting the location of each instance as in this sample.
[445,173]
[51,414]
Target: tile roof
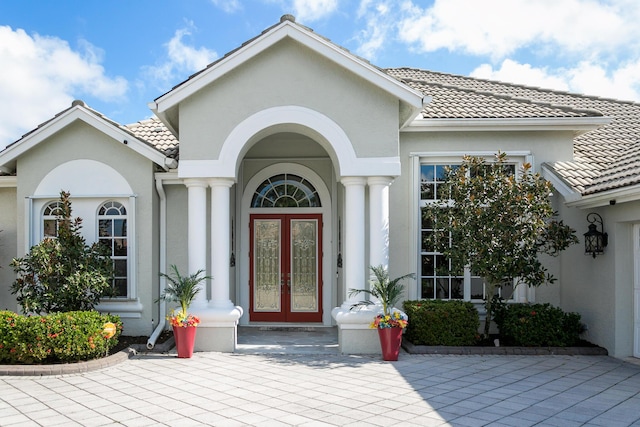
[155,133]
[451,102]
[604,159]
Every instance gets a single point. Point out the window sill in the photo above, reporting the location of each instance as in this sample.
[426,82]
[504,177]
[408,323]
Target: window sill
[125,308]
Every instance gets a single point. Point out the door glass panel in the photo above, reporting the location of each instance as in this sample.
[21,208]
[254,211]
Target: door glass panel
[266,281]
[304,275]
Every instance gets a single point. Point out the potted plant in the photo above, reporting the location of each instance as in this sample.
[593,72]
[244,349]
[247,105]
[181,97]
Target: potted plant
[183,289]
[391,322]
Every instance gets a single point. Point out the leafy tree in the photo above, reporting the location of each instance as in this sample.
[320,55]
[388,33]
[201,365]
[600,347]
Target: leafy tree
[63,273]
[497,224]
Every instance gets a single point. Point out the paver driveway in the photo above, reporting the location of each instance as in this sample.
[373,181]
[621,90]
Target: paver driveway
[329,389]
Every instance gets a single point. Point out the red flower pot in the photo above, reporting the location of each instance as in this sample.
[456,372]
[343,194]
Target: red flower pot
[185,340]
[390,341]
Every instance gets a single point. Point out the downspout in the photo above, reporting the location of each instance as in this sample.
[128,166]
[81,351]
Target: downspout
[151,342]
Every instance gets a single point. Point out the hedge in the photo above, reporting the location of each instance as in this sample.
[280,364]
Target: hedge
[438,322]
[537,325]
[59,337]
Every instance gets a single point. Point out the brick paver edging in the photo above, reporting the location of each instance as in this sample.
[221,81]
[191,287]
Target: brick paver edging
[530,351]
[66,368]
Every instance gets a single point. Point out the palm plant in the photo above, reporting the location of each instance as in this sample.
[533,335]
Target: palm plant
[182,289]
[387,291]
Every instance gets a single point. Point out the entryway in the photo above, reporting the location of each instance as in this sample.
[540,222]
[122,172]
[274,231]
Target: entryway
[285,276]
[287,340]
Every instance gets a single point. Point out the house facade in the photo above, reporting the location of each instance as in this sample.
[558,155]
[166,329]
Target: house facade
[289,166]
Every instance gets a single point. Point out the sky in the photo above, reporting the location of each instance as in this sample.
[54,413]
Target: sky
[119,55]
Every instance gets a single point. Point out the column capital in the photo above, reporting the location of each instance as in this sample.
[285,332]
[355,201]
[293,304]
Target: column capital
[353,180]
[221,182]
[195,182]
[380,180]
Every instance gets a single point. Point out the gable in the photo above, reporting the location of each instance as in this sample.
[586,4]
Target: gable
[167,106]
[78,113]
[288,75]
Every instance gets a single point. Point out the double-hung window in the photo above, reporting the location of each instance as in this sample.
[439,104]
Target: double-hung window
[112,232]
[436,280]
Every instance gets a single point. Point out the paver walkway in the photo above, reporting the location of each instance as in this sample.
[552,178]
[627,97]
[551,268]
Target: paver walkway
[331,390]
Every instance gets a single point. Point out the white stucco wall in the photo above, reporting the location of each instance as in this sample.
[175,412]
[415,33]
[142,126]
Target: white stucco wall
[288,74]
[8,246]
[79,141]
[601,289]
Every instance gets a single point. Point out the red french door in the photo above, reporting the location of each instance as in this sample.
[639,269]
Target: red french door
[286,268]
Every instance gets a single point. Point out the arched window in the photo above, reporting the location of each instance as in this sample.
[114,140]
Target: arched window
[50,219]
[112,232]
[285,191]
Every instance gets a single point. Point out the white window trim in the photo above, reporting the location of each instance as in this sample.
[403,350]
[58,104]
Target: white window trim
[522,293]
[129,307]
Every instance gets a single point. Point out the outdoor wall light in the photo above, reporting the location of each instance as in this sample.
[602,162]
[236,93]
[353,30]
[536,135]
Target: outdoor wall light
[595,240]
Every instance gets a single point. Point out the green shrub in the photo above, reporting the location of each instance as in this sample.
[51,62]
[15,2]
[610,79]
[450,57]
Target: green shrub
[57,337]
[63,274]
[441,322]
[536,325]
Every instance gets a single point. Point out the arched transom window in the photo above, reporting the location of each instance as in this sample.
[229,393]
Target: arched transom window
[285,191]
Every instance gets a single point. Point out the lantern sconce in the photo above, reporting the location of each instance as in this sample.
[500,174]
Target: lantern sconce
[595,240]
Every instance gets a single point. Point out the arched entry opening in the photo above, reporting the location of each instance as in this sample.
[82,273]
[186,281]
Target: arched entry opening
[286,234]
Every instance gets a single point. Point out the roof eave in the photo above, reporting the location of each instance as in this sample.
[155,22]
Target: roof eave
[578,125]
[561,186]
[606,198]
[9,156]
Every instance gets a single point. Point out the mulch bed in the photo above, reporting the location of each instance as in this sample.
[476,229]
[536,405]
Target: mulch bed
[137,342]
[584,348]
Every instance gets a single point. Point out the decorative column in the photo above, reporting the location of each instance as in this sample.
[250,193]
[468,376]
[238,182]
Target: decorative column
[379,220]
[354,253]
[220,242]
[196,234]
[354,334]
[218,329]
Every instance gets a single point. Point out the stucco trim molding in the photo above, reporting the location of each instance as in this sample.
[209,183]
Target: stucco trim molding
[296,119]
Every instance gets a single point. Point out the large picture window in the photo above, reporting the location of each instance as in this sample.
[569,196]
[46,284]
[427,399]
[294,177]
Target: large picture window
[436,279]
[112,232]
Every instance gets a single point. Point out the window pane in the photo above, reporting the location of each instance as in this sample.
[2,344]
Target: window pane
[442,288]
[50,228]
[108,243]
[477,288]
[120,287]
[457,288]
[428,265]
[119,227]
[120,267]
[427,289]
[120,247]
[105,228]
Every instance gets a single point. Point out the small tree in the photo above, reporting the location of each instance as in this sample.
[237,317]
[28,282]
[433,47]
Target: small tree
[63,273]
[497,224]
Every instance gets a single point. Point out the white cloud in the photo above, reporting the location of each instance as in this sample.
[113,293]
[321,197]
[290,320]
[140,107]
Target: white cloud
[513,72]
[181,58]
[586,77]
[228,6]
[498,28]
[42,75]
[379,21]
[307,11]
